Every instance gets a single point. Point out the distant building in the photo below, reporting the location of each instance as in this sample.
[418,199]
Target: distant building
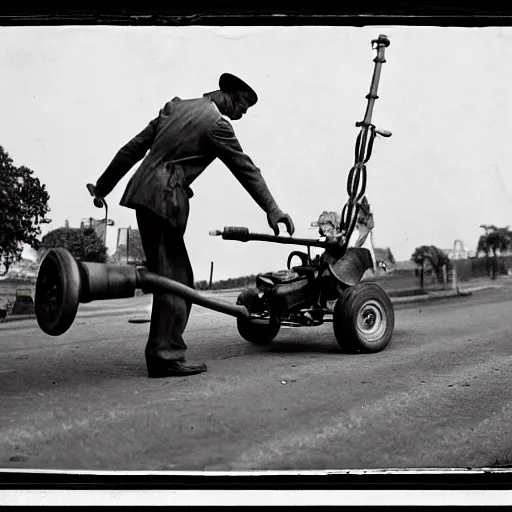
[406,265]
[459,251]
[129,246]
[99,226]
[384,258]
[26,268]
[456,255]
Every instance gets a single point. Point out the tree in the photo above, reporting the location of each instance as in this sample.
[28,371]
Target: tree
[391,257]
[491,241]
[431,254]
[83,244]
[23,207]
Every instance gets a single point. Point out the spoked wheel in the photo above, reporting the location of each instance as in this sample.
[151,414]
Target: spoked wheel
[364,318]
[262,328]
[57,292]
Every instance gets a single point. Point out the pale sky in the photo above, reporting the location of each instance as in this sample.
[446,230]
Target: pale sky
[71,96]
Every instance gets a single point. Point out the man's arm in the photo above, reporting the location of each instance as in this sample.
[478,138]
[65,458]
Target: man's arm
[126,158]
[226,147]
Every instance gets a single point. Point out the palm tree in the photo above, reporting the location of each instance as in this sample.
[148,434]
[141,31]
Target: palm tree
[493,240]
[430,254]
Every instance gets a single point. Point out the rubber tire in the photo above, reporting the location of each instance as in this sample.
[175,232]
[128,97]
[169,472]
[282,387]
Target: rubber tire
[258,334]
[58,271]
[345,318]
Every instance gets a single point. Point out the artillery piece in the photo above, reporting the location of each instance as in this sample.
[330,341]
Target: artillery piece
[362,316]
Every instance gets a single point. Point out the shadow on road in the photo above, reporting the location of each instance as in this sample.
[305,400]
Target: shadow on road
[297,346]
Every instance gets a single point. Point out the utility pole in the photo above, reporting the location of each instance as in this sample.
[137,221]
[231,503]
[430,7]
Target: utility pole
[455,285]
[211,275]
[117,244]
[128,243]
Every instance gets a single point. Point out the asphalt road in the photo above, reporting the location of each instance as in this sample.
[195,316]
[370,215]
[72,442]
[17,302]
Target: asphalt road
[437,397]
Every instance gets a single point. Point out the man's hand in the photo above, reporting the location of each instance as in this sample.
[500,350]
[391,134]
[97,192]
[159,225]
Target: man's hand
[98,201]
[276,217]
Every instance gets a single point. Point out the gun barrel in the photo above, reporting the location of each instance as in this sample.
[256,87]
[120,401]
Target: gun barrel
[309,242]
[243,234]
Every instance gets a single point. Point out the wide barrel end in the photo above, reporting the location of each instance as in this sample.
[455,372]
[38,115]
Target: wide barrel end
[57,293]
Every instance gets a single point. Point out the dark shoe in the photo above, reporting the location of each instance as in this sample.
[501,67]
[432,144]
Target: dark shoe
[158,368]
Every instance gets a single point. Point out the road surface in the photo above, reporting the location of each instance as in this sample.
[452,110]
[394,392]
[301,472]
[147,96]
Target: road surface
[437,397]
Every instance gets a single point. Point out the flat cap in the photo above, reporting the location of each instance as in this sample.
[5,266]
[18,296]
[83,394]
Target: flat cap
[230,83]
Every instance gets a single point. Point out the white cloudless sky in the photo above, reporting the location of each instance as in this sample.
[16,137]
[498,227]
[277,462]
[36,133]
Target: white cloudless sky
[71,96]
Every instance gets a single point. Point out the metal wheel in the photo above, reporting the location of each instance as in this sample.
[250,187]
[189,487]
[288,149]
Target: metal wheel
[371,321]
[261,329]
[364,318]
[57,292]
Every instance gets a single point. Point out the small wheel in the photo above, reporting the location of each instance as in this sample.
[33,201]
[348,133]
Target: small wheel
[250,329]
[364,318]
[57,292]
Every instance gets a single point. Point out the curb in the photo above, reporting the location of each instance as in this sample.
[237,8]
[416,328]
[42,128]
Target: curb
[16,318]
[88,314]
[429,296]
[443,294]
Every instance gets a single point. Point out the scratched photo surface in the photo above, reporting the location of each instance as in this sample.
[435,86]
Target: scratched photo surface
[436,397]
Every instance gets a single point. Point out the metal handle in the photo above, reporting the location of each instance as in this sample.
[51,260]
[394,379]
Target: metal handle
[233,233]
[383,133]
[356,183]
[381,43]
[99,202]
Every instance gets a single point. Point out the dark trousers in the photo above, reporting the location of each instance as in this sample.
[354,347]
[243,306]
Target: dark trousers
[166,255]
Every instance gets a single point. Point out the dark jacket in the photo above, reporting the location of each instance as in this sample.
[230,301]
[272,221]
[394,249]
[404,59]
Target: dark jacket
[186,137]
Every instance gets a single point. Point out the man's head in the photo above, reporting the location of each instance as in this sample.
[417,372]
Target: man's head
[234,97]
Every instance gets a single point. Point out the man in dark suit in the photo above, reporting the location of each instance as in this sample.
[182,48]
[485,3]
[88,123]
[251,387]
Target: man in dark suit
[182,141]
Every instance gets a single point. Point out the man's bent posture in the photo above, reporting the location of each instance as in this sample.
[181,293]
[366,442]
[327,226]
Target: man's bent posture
[186,137]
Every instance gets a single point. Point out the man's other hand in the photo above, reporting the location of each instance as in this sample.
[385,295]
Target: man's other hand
[277,217]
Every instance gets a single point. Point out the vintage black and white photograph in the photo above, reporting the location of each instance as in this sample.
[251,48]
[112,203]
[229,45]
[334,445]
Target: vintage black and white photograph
[255,248]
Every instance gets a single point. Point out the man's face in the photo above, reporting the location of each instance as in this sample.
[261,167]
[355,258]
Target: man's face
[239,105]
